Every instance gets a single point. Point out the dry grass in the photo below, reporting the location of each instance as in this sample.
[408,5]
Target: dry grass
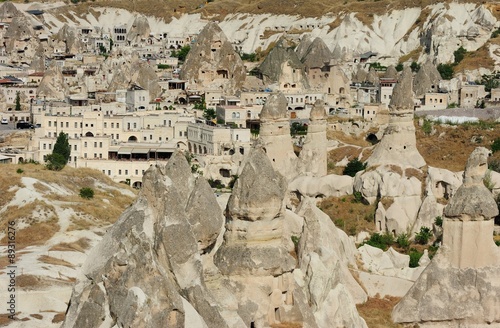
[349,215]
[349,139]
[396,169]
[377,312]
[412,172]
[411,56]
[287,325]
[37,316]
[475,60]
[338,154]
[28,281]
[4,320]
[59,317]
[452,149]
[37,233]
[55,261]
[387,202]
[80,245]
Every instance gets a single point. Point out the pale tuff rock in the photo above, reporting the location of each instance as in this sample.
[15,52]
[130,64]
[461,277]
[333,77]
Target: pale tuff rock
[275,137]
[9,10]
[146,267]
[69,38]
[128,69]
[372,77]
[212,61]
[139,31]
[426,79]
[38,62]
[259,191]
[391,72]
[19,29]
[282,63]
[154,266]
[313,155]
[303,46]
[317,54]
[325,186]
[461,284]
[360,75]
[52,86]
[399,144]
[389,263]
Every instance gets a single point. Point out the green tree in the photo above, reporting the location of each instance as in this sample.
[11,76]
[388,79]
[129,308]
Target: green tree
[354,167]
[415,67]
[399,67]
[423,236]
[459,54]
[18,101]
[209,114]
[446,71]
[182,53]
[60,154]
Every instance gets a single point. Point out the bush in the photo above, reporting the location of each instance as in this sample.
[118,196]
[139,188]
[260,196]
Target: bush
[216,184]
[494,165]
[231,183]
[399,67]
[87,193]
[403,240]
[423,236]
[55,162]
[20,170]
[459,54]
[354,167]
[495,146]
[358,197]
[446,71]
[382,241]
[163,66]
[427,127]
[415,67]
[414,257]
[438,221]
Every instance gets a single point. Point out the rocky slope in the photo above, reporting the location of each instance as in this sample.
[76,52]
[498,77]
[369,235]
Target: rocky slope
[55,230]
[434,30]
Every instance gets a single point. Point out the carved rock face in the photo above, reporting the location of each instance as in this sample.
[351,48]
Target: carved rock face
[402,96]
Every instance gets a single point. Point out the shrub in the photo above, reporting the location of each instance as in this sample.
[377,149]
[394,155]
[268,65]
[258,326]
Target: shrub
[399,67]
[403,240]
[459,54]
[358,197]
[495,146]
[382,241]
[414,257]
[60,154]
[415,67]
[427,127]
[446,71]
[438,221]
[20,170]
[87,193]
[354,167]
[163,66]
[55,162]
[215,184]
[494,165]
[423,236]
[231,183]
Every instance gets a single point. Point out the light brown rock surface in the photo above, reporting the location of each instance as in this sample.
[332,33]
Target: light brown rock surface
[52,86]
[461,285]
[212,62]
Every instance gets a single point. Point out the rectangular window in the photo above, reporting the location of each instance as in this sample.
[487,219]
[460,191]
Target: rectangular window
[67,124]
[100,144]
[85,144]
[76,125]
[119,172]
[100,155]
[50,146]
[109,172]
[112,125]
[180,133]
[126,172]
[95,144]
[50,124]
[95,155]
[117,136]
[136,172]
[85,155]
[105,125]
[117,125]
[74,147]
[44,146]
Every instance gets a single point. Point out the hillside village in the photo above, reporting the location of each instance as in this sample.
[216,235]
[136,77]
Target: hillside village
[180,116]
